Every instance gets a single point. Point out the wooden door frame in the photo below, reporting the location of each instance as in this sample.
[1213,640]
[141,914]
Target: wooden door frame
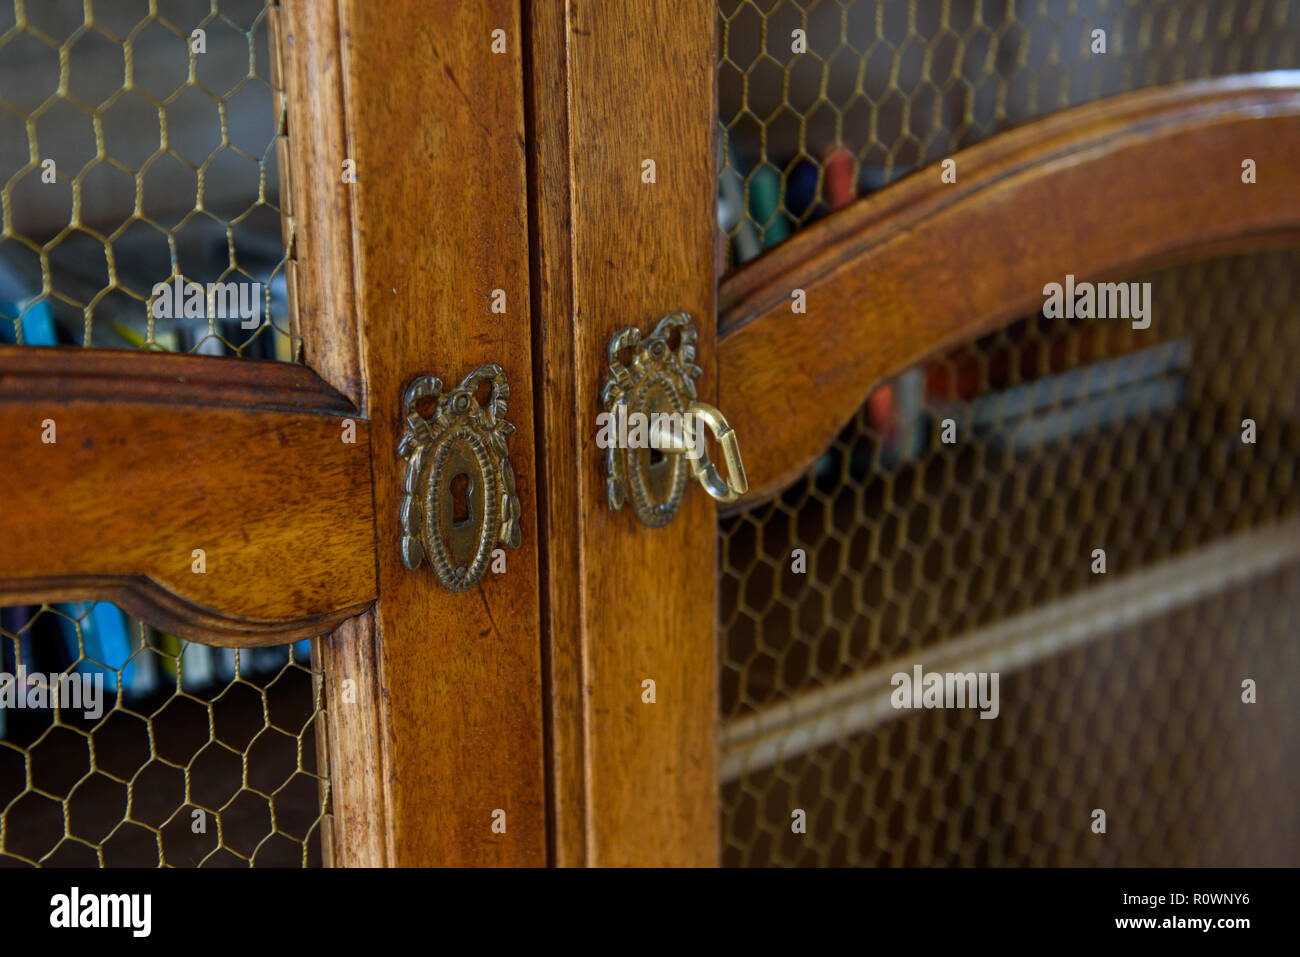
[631,783]
[435,702]
[434,698]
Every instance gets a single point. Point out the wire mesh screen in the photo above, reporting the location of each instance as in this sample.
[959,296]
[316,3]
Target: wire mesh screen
[822,101]
[139,177]
[124,746]
[1146,725]
[1154,446]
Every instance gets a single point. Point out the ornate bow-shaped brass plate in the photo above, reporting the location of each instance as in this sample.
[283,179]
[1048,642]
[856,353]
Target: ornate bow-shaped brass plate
[656,385]
[657,379]
[464,440]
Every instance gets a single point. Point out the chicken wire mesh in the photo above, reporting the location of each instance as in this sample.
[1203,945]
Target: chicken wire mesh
[197,755]
[1147,725]
[878,89]
[1074,435]
[139,145]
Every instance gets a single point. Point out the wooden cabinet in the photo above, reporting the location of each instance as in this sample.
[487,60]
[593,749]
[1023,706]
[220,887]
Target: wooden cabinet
[514,183]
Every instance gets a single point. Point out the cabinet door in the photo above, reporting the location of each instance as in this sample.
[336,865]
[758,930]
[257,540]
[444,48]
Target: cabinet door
[959,478]
[209,501]
[891,189]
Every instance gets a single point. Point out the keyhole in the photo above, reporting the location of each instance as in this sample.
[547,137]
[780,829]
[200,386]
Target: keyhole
[656,457]
[462,512]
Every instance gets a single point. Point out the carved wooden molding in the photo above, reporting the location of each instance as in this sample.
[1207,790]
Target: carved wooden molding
[156,455]
[1145,179]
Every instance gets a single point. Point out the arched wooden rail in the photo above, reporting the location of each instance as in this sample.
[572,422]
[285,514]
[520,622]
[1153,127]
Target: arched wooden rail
[157,455]
[1102,191]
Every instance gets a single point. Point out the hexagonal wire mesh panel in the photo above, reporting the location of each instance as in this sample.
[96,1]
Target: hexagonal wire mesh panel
[138,146]
[191,755]
[1146,725]
[1074,435]
[880,89]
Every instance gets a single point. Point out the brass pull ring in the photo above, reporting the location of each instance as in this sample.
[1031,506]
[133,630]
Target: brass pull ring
[702,468]
[652,379]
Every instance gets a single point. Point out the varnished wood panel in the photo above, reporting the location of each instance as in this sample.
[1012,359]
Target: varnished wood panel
[614,84]
[157,455]
[446,724]
[1099,192]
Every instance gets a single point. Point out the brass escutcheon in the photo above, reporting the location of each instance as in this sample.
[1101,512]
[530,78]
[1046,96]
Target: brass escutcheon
[657,385]
[462,440]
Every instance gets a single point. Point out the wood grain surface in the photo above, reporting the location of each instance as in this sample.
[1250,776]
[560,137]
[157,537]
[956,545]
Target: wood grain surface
[157,455]
[1100,192]
[317,207]
[632,783]
[398,271]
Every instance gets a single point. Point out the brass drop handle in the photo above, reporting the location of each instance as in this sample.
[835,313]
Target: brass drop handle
[653,388]
[689,443]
